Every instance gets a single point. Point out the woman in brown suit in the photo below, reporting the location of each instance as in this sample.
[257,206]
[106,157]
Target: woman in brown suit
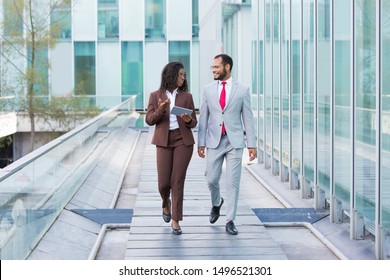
[173,139]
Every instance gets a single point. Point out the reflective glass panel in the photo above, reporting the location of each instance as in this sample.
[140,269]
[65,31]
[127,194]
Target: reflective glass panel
[285,78]
[308,90]
[61,21]
[254,66]
[268,83]
[342,102]
[195,18]
[132,71]
[85,68]
[155,19]
[180,51]
[385,123]
[41,69]
[108,19]
[296,138]
[365,115]
[323,94]
[261,75]
[12,21]
[276,83]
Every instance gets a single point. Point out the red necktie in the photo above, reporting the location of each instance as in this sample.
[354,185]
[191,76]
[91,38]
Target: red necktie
[222,102]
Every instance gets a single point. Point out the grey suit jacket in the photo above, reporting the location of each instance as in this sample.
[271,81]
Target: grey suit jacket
[237,117]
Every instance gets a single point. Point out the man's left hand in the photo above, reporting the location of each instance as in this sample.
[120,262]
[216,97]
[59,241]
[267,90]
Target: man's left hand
[252,153]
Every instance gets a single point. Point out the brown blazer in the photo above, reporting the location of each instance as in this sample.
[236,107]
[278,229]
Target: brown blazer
[161,119]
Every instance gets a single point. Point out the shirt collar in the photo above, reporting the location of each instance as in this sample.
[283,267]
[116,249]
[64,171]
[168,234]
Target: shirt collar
[228,81]
[174,92]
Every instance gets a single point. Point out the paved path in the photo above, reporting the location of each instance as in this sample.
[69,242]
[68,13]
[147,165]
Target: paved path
[151,238]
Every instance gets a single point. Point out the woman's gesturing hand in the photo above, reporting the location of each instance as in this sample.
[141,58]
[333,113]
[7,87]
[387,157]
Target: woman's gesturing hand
[161,105]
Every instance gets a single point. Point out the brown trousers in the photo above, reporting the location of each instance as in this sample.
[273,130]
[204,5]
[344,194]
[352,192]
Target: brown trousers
[172,164]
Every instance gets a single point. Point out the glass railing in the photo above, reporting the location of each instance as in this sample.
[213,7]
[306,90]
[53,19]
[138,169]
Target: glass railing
[34,189]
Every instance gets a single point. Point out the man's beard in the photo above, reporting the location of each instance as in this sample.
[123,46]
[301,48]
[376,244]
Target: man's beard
[222,75]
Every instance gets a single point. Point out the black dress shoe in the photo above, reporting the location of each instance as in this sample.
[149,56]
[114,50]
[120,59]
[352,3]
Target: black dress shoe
[231,228]
[214,214]
[176,231]
[167,217]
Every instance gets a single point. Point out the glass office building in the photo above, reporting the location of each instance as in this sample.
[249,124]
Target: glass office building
[318,72]
[110,49]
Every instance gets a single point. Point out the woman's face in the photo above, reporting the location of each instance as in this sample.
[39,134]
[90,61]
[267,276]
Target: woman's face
[181,78]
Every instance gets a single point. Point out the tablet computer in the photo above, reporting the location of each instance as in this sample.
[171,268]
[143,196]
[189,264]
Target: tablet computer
[176,110]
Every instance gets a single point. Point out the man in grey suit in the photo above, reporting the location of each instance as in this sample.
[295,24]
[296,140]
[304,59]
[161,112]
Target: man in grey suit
[225,124]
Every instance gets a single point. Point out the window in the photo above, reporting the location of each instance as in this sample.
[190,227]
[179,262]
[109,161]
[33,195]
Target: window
[61,21]
[155,21]
[85,63]
[13,18]
[41,70]
[108,19]
[195,18]
[132,71]
[180,51]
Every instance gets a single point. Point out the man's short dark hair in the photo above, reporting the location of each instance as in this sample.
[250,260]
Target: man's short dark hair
[225,60]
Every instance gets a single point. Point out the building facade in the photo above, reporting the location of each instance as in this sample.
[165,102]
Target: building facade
[317,69]
[109,49]
[320,81]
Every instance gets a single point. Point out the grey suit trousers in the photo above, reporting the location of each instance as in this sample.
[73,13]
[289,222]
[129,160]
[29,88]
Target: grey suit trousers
[215,159]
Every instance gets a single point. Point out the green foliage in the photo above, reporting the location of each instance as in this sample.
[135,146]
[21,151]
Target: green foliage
[67,111]
[5,141]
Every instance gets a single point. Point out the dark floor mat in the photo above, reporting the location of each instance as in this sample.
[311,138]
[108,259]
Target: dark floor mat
[289,214]
[107,216]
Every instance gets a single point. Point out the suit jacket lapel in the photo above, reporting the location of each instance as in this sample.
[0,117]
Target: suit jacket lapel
[216,100]
[164,97]
[179,101]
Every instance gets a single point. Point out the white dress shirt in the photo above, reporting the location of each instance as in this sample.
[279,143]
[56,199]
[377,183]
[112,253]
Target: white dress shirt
[173,124]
